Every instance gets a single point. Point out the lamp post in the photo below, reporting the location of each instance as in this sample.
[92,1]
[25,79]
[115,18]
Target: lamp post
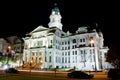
[8,53]
[30,66]
[41,62]
[92,45]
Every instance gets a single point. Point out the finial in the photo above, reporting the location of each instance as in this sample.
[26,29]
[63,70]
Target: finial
[55,4]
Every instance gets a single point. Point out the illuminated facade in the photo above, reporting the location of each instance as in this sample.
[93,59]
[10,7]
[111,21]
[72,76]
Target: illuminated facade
[51,47]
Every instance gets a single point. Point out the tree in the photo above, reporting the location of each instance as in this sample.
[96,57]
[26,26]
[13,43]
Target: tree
[113,55]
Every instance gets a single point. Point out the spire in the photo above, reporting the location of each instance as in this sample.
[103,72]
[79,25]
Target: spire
[56,9]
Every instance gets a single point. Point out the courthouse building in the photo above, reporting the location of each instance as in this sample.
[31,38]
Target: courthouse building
[51,47]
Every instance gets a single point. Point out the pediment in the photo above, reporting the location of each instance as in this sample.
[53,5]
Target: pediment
[39,28]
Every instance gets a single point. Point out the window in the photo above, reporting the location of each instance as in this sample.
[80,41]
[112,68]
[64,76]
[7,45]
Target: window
[69,53]
[62,59]
[62,53]
[73,47]
[68,59]
[68,42]
[50,60]
[83,39]
[65,53]
[62,43]
[74,40]
[75,52]
[80,40]
[62,48]
[65,42]
[68,47]
[51,41]
[65,59]
[65,48]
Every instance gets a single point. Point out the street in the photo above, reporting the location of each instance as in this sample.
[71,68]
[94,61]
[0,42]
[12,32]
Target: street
[45,75]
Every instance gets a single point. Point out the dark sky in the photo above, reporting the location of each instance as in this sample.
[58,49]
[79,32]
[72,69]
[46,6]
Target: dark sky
[18,18]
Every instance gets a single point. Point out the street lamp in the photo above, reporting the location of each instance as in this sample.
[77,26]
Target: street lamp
[92,45]
[9,47]
[41,62]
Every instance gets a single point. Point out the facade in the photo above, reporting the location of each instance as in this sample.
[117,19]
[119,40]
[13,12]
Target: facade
[53,48]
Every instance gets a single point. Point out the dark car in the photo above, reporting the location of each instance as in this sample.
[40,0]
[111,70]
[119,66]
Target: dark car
[114,74]
[80,74]
[11,70]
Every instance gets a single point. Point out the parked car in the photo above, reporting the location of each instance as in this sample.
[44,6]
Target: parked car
[114,74]
[80,74]
[11,70]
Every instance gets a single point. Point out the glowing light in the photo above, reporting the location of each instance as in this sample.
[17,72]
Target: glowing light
[9,47]
[91,41]
[41,61]
[5,67]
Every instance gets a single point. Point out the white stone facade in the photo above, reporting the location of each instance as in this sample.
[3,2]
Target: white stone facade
[51,47]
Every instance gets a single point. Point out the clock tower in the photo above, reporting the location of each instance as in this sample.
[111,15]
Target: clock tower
[55,18]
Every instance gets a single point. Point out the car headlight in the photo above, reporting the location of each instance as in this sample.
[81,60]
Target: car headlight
[5,67]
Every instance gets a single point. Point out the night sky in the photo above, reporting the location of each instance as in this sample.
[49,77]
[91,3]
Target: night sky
[17,18]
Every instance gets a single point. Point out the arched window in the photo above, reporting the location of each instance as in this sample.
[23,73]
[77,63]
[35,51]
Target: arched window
[74,40]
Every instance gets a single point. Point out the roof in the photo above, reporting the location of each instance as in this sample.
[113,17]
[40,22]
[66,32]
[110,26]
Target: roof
[39,28]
